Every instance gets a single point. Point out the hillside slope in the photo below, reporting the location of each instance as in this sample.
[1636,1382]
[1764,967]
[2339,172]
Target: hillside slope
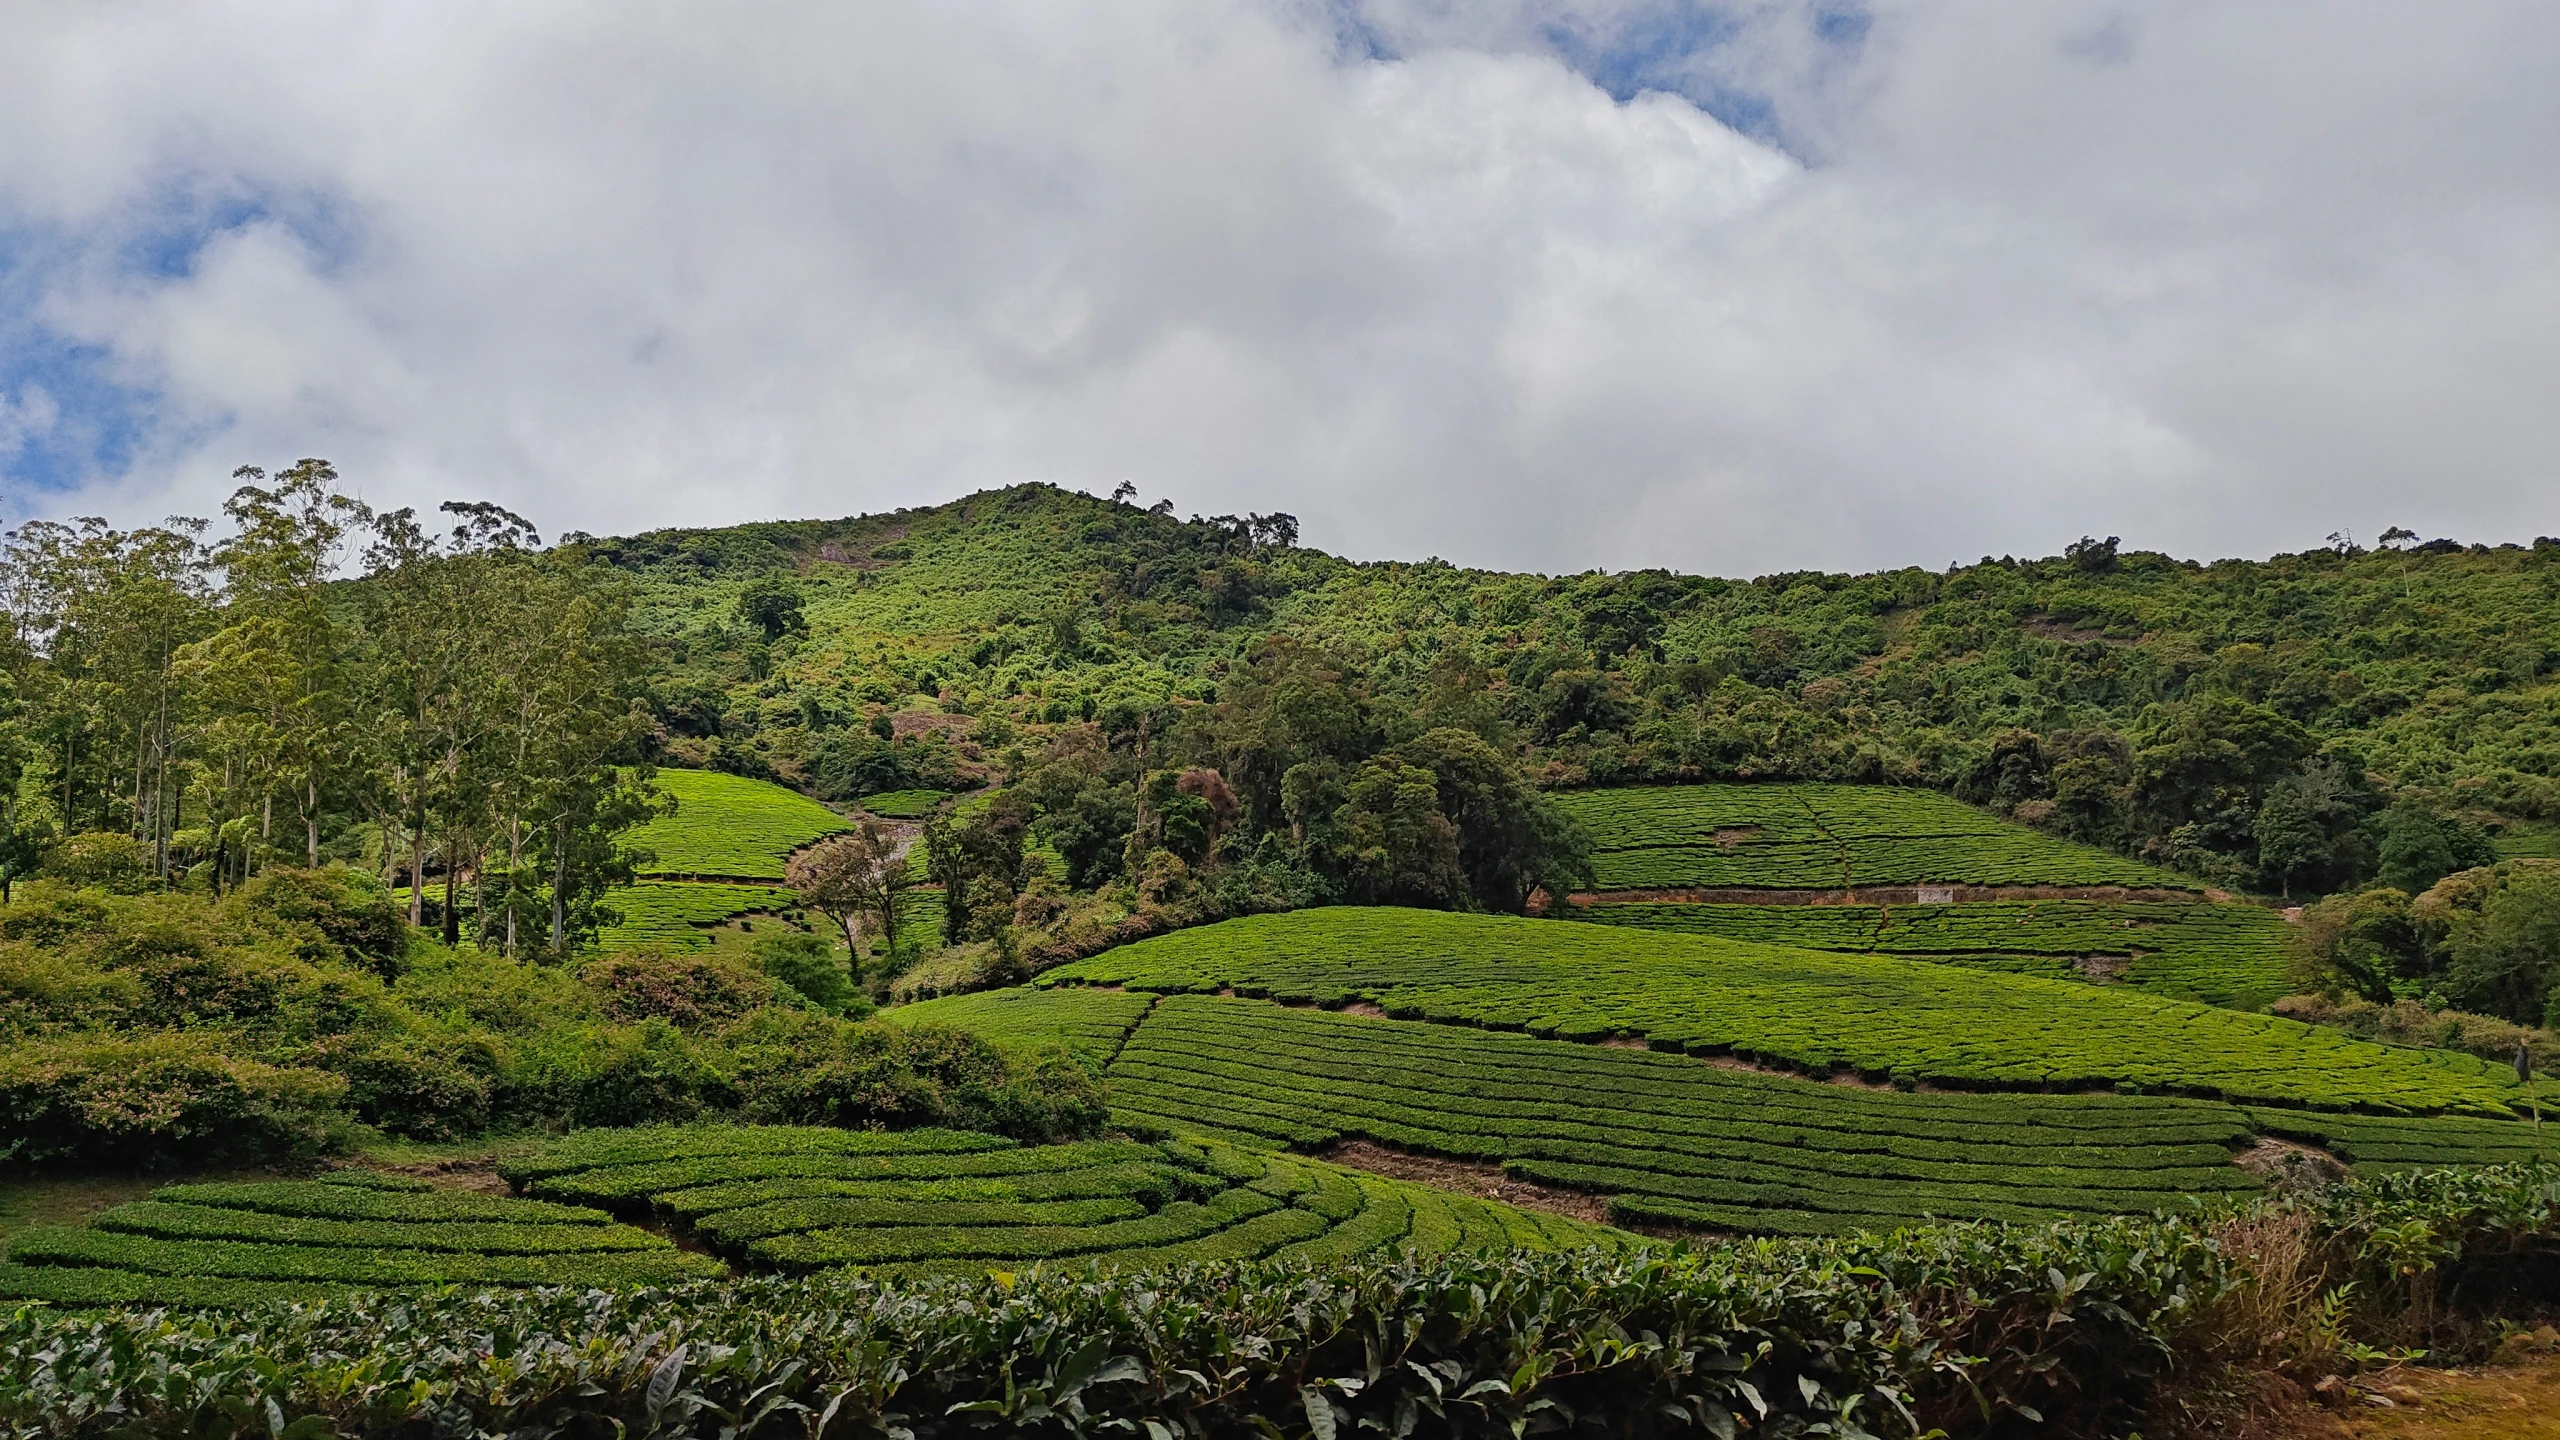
[2131,700]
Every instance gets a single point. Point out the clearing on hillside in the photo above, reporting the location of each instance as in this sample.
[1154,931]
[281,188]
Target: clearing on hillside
[727,827]
[677,914]
[1885,1019]
[785,1198]
[243,1244]
[1090,1023]
[1830,837]
[1879,869]
[2220,954]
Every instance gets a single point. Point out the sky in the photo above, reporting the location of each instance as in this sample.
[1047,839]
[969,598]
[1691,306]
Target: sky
[1530,284]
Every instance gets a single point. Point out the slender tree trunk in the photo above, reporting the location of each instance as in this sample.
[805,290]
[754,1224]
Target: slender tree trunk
[559,884]
[311,821]
[418,869]
[452,916]
[515,867]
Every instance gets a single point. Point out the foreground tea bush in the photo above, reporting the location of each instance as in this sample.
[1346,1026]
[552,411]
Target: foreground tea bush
[1645,1343]
[2074,1329]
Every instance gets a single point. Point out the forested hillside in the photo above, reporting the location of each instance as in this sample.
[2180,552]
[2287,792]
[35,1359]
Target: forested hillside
[2293,724]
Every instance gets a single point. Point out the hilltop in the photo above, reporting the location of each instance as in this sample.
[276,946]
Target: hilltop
[2301,722]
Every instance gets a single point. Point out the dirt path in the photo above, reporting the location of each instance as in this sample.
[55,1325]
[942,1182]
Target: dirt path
[2516,1399]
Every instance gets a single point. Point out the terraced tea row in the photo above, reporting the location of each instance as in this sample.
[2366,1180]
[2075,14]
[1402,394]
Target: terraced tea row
[1884,1018]
[905,804]
[792,1199]
[1827,837]
[1669,1138]
[1091,1023]
[732,828]
[674,914]
[2227,954]
[240,1244]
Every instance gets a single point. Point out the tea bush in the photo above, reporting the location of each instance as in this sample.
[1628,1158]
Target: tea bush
[1880,1017]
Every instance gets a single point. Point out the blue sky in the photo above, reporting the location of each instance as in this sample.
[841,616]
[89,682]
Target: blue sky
[1543,284]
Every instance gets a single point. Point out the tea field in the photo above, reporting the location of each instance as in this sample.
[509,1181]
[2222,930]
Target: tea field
[239,1244]
[792,1199]
[1087,1022]
[675,914]
[904,804]
[2227,954]
[1884,1018]
[728,827]
[1828,837]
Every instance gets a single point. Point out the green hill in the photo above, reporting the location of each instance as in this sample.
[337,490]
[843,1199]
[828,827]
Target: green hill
[1882,1018]
[2132,700]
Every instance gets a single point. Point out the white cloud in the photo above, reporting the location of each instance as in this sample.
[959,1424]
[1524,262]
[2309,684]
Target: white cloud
[2218,278]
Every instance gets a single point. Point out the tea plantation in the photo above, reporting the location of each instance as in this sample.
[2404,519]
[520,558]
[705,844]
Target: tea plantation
[238,1244]
[2219,954]
[672,914]
[905,804]
[731,828]
[1828,837]
[773,1197]
[1673,1140]
[1087,1022]
[1884,1018]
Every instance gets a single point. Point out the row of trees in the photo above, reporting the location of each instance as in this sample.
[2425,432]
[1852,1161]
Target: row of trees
[464,707]
[1297,785]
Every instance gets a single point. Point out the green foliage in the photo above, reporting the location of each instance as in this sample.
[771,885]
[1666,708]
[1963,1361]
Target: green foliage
[156,1098]
[1090,1023]
[812,969]
[772,606]
[104,860]
[688,991]
[675,914]
[2073,1327]
[729,827]
[800,1069]
[236,1244]
[2234,954]
[1813,1012]
[334,914]
[905,804]
[2365,943]
[1826,837]
[1672,1140]
[797,1200]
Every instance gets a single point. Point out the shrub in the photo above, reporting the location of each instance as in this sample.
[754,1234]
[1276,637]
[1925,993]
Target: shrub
[431,1087]
[334,915]
[803,1069]
[155,1099]
[683,990]
[810,967]
[105,860]
[594,1074]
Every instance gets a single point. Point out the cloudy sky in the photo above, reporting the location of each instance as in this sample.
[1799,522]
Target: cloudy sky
[1543,284]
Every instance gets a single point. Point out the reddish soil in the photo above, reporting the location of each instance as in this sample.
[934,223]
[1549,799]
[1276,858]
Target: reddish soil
[2514,1397]
[1485,1182]
[2269,1156]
